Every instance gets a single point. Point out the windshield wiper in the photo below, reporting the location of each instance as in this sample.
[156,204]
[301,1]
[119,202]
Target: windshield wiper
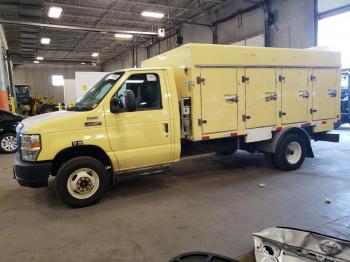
[79,107]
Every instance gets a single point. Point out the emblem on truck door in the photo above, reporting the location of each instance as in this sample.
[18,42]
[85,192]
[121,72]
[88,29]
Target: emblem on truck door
[96,123]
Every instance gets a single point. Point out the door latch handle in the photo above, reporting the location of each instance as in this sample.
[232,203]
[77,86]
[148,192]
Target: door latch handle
[231,99]
[281,78]
[271,97]
[304,94]
[166,127]
[332,93]
[201,122]
[245,79]
[281,114]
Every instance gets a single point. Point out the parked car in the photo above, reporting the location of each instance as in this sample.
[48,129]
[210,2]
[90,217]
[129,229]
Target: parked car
[8,123]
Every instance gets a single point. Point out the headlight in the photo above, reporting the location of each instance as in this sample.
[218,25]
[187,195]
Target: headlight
[30,147]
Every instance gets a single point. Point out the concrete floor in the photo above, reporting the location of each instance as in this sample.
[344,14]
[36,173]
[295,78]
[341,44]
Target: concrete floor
[206,203]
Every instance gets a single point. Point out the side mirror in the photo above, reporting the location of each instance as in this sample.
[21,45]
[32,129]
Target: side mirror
[130,101]
[114,105]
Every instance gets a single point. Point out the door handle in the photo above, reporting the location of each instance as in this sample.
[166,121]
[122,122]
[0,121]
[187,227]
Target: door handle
[304,94]
[332,93]
[166,127]
[271,97]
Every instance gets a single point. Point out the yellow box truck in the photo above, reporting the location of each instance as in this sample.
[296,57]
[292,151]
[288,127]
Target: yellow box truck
[191,100]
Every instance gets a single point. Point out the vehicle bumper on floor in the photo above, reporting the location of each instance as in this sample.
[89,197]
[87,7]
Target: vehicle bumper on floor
[29,174]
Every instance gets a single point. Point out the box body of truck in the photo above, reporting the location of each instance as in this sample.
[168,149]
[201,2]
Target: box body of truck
[227,91]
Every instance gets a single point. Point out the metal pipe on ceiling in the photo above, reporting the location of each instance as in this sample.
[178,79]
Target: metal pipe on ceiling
[78,28]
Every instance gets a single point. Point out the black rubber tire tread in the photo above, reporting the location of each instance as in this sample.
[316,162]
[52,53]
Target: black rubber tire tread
[70,166]
[1,138]
[280,152]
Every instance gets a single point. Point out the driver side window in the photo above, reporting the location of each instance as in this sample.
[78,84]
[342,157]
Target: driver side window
[146,88]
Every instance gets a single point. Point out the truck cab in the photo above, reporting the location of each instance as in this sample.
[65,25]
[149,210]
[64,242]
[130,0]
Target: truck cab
[128,120]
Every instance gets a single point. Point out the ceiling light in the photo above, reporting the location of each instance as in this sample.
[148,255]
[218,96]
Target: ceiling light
[39,58]
[55,12]
[124,36]
[94,54]
[83,63]
[152,14]
[45,40]
[36,62]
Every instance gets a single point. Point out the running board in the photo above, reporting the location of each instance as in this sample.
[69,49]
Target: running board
[121,176]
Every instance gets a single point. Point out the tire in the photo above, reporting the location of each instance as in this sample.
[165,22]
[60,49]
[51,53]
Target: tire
[81,181]
[290,152]
[8,143]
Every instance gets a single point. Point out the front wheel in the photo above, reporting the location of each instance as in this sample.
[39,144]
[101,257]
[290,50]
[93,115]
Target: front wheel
[290,152]
[81,181]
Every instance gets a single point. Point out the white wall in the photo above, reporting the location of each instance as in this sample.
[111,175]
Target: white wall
[39,78]
[252,25]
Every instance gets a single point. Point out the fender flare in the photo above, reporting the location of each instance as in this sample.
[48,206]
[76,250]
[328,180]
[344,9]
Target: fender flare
[271,145]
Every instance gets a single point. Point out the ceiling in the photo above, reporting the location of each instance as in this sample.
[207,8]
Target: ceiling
[74,46]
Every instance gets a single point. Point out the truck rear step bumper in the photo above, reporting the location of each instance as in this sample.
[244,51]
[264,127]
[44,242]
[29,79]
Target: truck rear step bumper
[326,137]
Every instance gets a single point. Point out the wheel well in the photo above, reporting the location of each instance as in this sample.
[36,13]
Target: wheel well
[270,145]
[85,150]
[302,133]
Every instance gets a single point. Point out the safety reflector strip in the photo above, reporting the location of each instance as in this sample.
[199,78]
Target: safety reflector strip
[205,137]
[233,134]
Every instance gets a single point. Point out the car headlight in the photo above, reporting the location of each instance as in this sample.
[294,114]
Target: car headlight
[30,147]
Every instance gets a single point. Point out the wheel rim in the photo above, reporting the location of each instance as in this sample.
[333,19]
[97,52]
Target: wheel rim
[293,152]
[83,183]
[9,143]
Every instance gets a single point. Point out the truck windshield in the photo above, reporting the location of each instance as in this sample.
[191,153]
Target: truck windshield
[95,95]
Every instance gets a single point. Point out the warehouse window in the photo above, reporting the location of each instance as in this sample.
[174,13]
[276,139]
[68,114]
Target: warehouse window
[57,80]
[146,88]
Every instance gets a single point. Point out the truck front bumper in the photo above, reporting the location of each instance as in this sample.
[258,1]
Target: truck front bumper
[29,174]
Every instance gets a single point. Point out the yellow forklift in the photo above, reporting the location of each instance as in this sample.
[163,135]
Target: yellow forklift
[32,105]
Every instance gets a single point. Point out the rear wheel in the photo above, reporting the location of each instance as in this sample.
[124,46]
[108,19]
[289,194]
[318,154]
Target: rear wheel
[81,181]
[290,152]
[8,143]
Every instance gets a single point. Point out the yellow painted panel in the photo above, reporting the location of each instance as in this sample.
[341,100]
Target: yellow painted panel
[139,139]
[323,87]
[260,86]
[295,95]
[218,98]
